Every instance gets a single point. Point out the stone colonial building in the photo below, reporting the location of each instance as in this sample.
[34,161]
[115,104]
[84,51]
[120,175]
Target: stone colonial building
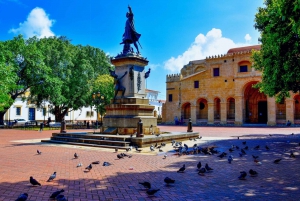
[218,90]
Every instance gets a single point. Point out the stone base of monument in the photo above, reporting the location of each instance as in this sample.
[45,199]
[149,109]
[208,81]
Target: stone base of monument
[123,115]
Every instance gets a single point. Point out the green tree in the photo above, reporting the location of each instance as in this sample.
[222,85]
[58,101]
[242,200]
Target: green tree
[22,65]
[69,85]
[279,57]
[104,84]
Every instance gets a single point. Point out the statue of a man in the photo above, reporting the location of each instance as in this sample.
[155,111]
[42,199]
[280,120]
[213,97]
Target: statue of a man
[130,35]
[118,84]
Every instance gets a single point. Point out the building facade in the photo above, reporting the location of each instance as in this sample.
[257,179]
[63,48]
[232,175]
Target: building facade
[218,90]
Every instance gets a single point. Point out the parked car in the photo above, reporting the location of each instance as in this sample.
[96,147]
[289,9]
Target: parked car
[20,122]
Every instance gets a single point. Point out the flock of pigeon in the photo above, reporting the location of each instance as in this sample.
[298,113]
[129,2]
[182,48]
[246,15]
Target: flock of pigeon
[180,150]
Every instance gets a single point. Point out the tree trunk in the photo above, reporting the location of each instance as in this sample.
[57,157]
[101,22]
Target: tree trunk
[60,113]
[2,117]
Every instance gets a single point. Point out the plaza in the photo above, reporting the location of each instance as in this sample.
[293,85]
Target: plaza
[120,181]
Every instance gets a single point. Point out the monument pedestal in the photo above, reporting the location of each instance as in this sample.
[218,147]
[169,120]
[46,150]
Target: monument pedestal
[123,114]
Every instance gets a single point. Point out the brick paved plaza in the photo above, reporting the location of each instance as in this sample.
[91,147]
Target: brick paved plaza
[119,181]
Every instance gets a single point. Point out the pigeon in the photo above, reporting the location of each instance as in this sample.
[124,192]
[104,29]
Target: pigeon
[168,181]
[138,150]
[230,159]
[257,147]
[243,175]
[89,167]
[163,144]
[146,184]
[22,197]
[128,149]
[267,148]
[160,150]
[96,162]
[277,160]
[199,165]
[38,152]
[221,155]
[252,173]
[34,182]
[75,156]
[120,156]
[52,177]
[152,148]
[56,193]
[157,134]
[241,154]
[246,148]
[243,151]
[292,155]
[79,165]
[186,147]
[106,164]
[244,142]
[237,147]
[202,171]
[165,156]
[208,168]
[255,157]
[61,198]
[231,150]
[181,170]
[116,150]
[152,191]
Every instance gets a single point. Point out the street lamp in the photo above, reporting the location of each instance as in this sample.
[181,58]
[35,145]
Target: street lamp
[98,100]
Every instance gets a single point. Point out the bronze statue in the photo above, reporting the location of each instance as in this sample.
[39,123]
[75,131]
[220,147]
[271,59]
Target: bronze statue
[130,35]
[117,82]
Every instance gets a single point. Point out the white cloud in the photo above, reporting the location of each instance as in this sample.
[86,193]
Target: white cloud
[248,38]
[153,66]
[211,44]
[37,24]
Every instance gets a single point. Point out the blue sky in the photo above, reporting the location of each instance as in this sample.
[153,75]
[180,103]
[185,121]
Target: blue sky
[174,32]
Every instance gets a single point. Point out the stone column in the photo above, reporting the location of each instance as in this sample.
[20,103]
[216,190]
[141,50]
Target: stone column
[210,111]
[271,111]
[223,113]
[289,103]
[238,110]
[193,114]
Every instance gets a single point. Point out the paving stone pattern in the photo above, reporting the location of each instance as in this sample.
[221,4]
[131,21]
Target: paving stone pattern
[119,181]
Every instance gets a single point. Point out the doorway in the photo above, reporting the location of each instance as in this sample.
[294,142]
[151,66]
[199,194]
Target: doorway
[262,112]
[31,114]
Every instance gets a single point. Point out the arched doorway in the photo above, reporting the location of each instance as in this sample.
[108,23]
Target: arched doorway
[186,111]
[256,107]
[217,108]
[202,109]
[297,108]
[230,109]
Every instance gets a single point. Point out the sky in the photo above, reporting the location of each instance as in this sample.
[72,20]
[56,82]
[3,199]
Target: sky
[173,32]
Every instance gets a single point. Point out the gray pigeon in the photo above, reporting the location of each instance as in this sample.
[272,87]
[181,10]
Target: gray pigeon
[152,148]
[230,159]
[76,156]
[38,152]
[181,170]
[146,184]
[168,181]
[22,197]
[52,177]
[243,175]
[61,198]
[152,191]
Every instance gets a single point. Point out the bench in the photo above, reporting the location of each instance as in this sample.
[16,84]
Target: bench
[56,125]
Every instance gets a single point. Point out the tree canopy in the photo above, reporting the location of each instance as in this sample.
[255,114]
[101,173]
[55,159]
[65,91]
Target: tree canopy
[279,57]
[69,84]
[53,69]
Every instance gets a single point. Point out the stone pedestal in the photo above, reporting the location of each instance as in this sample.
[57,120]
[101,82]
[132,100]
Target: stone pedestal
[123,114]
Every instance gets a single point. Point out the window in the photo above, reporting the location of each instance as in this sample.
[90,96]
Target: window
[216,72]
[18,110]
[67,114]
[170,98]
[243,69]
[196,84]
[92,113]
[44,111]
[87,113]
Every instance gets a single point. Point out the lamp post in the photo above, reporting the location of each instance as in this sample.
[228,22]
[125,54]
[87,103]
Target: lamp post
[98,100]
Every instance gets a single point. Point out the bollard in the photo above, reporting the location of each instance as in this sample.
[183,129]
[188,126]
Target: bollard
[63,126]
[190,129]
[140,129]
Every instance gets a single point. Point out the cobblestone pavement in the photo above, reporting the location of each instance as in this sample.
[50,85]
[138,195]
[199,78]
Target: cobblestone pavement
[119,181]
